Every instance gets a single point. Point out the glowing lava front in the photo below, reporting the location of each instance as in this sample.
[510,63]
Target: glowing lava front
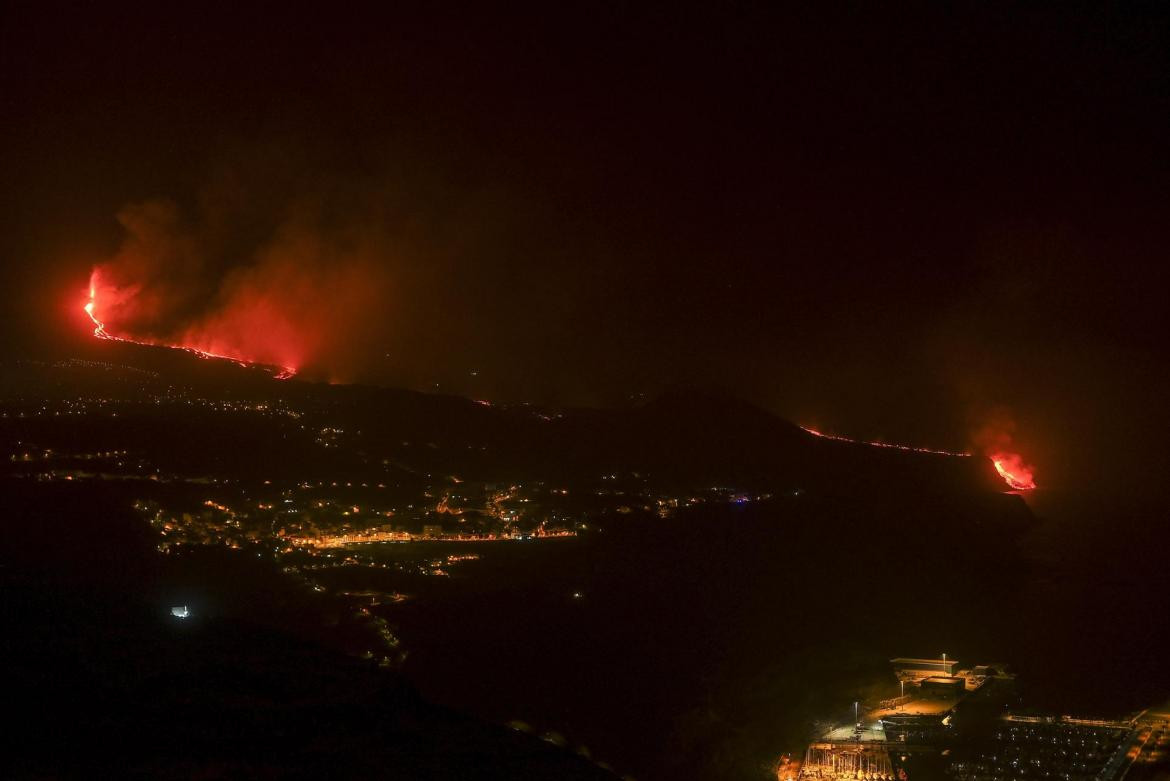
[99,330]
[1014,471]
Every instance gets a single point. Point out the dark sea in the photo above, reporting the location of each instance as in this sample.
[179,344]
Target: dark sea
[707,645]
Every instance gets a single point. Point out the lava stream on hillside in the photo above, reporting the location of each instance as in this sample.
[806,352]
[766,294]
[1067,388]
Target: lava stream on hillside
[907,448]
[1009,466]
[101,332]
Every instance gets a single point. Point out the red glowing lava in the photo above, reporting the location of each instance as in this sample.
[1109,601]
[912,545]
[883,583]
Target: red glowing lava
[907,448]
[100,331]
[1010,466]
[1014,471]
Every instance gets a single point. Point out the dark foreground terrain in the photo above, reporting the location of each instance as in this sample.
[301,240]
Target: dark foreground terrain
[104,683]
[742,583]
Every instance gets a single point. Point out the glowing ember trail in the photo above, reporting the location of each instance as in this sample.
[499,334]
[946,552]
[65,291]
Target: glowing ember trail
[1014,471]
[907,448]
[99,330]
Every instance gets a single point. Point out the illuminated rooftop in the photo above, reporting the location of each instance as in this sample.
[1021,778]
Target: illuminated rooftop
[940,664]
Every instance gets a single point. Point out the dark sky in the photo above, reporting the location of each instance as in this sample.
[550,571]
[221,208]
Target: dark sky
[891,223]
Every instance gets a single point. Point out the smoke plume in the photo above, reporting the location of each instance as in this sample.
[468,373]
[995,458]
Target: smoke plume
[298,295]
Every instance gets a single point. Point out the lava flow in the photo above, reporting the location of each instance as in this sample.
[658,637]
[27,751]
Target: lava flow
[1010,466]
[907,448]
[1014,471]
[99,330]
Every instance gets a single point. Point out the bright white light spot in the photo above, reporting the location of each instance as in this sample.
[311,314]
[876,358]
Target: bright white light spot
[180,611]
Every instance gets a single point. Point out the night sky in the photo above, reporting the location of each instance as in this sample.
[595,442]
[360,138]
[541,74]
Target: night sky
[887,223]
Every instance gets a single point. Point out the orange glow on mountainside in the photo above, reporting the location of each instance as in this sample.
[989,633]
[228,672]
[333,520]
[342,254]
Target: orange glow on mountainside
[92,308]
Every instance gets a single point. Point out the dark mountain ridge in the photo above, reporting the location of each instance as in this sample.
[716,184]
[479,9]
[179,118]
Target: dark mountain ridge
[683,437]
